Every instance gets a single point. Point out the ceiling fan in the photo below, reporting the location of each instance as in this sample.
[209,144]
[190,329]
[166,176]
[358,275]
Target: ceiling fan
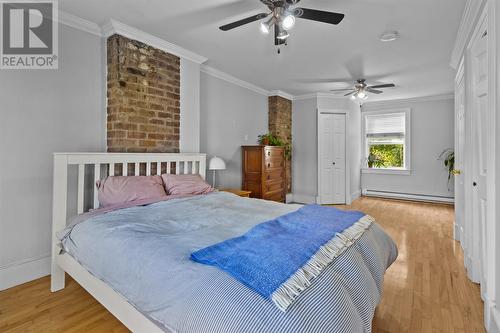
[361,89]
[282,18]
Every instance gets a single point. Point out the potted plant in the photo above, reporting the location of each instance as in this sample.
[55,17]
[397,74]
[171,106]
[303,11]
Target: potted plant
[448,158]
[269,139]
[265,139]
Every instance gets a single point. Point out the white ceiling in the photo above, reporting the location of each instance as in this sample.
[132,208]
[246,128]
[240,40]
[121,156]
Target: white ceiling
[418,63]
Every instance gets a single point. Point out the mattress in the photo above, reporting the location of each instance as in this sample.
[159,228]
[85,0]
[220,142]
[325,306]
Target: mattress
[143,253]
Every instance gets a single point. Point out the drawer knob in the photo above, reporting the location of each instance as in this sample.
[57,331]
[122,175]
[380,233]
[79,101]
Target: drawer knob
[268,153]
[268,165]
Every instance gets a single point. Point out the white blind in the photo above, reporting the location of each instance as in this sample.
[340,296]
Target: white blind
[392,124]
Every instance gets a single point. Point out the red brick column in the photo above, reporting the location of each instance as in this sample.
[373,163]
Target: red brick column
[280,125]
[143,91]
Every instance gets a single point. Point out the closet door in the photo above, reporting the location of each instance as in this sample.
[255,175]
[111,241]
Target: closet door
[332,150]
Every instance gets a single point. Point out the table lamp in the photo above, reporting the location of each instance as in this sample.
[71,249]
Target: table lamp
[216,163]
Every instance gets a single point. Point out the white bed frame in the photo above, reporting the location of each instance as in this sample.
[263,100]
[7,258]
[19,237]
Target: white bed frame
[103,164]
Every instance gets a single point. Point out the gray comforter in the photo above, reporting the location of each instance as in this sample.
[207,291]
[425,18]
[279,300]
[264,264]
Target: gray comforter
[143,253]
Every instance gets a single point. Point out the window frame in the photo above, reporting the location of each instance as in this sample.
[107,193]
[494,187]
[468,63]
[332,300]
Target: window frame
[407,143]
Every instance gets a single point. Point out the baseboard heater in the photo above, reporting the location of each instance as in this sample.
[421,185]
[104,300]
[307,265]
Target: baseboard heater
[408,196]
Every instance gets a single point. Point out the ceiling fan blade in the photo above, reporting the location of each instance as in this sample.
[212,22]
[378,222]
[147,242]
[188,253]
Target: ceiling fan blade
[318,15]
[373,90]
[352,92]
[389,85]
[243,21]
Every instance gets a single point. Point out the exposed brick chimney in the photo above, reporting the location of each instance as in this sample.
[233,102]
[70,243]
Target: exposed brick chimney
[280,125]
[143,97]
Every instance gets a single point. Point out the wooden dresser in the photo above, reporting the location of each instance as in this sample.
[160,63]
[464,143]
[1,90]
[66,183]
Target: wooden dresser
[264,172]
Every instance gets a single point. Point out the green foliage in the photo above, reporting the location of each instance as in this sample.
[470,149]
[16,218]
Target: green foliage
[269,139]
[386,156]
[448,157]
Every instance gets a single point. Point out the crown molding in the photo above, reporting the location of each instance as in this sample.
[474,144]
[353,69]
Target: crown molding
[79,23]
[305,96]
[402,102]
[231,79]
[470,16]
[116,27]
[281,94]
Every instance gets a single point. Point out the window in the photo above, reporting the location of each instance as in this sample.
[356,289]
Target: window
[386,135]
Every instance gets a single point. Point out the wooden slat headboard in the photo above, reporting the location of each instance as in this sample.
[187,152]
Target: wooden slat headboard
[98,166]
[112,164]
[117,164]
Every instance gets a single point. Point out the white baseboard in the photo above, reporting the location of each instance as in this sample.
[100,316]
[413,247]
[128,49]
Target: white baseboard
[356,195]
[289,198]
[24,271]
[408,196]
[495,321]
[303,198]
[491,317]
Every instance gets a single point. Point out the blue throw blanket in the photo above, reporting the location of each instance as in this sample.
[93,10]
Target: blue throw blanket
[279,258]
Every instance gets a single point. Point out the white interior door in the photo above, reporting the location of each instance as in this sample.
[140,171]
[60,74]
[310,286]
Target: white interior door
[459,157]
[332,150]
[479,60]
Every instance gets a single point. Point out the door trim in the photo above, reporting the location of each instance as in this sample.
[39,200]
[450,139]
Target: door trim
[348,197]
[460,82]
[492,292]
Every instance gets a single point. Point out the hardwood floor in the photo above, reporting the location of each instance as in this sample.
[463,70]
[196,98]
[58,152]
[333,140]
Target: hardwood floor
[425,290]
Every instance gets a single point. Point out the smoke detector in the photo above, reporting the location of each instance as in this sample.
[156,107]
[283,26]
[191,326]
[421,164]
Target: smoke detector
[389,36]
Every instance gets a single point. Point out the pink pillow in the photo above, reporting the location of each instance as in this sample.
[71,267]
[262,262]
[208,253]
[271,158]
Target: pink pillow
[185,184]
[122,189]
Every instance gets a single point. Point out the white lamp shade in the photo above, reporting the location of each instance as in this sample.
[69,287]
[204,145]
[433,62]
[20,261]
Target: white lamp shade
[216,163]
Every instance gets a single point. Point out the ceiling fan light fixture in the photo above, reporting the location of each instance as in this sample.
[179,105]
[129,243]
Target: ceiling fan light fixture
[288,22]
[265,27]
[283,34]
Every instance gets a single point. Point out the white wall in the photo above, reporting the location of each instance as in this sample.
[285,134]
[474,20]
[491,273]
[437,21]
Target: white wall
[305,145]
[44,111]
[190,107]
[305,152]
[231,116]
[432,131]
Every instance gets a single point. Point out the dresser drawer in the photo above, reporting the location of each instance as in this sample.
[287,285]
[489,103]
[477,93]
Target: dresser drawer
[274,174]
[274,185]
[275,196]
[273,152]
[272,163]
